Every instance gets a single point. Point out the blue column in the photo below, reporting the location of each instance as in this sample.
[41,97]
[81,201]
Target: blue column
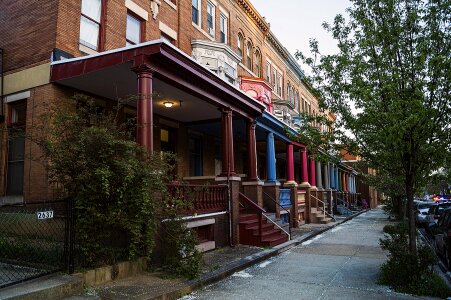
[337,183]
[332,176]
[270,158]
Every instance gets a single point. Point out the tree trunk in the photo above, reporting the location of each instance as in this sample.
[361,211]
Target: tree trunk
[411,215]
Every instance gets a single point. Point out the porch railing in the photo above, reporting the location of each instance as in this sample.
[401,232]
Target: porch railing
[199,198]
[248,203]
[323,207]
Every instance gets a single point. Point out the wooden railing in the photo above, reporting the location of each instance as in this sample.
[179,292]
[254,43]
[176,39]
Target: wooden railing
[194,198]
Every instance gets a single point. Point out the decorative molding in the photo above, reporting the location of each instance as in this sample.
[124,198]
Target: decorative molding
[155,8]
[254,15]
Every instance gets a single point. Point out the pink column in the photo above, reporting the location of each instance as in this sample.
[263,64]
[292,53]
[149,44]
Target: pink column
[290,163]
[304,172]
[312,172]
[144,131]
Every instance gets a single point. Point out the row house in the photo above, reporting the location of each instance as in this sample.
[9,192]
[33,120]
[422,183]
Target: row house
[214,85]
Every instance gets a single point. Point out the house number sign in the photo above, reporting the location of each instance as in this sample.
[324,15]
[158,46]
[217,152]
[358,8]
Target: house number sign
[42,215]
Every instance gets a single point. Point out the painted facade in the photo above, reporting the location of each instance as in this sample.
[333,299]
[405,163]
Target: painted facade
[232,88]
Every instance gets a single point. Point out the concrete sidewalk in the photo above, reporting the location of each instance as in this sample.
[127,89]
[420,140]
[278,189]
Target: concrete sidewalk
[218,264]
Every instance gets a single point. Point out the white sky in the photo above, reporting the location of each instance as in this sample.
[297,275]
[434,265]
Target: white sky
[294,22]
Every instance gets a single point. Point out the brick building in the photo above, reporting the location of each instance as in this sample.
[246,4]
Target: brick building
[226,87]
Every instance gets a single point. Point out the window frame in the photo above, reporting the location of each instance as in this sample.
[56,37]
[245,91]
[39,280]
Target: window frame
[142,27]
[225,26]
[213,21]
[268,72]
[249,54]
[199,12]
[101,24]
[258,63]
[240,45]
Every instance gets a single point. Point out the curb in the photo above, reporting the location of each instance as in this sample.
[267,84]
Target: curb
[244,263]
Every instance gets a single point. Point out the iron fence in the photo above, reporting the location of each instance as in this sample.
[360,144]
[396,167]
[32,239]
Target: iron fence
[34,241]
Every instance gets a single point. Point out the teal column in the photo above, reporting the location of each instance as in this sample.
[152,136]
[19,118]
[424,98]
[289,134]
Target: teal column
[270,158]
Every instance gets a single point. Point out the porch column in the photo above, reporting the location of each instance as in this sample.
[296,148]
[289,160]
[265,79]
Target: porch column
[312,174]
[251,151]
[304,174]
[290,164]
[270,158]
[144,130]
[228,161]
[332,177]
[337,182]
[319,179]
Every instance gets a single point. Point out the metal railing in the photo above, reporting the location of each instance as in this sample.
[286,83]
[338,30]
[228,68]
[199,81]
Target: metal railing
[323,208]
[288,212]
[278,226]
[199,198]
[254,206]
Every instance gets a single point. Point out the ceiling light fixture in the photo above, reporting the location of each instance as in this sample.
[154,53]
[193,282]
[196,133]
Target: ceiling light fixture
[168,104]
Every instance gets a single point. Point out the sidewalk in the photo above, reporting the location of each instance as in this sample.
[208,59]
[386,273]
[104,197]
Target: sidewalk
[218,264]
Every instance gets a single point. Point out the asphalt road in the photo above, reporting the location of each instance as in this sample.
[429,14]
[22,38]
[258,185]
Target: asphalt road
[342,263]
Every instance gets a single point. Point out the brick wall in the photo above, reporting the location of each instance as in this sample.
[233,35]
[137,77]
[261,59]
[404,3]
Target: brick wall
[27,31]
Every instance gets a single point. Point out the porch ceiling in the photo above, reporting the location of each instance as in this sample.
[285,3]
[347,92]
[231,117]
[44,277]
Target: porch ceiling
[118,82]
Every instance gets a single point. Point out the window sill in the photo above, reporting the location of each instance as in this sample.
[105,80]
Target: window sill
[202,31]
[171,4]
[86,50]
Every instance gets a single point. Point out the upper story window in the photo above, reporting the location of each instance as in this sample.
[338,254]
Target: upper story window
[195,12]
[296,101]
[280,88]
[223,28]
[240,46]
[268,72]
[167,38]
[274,80]
[249,56]
[211,18]
[134,30]
[258,63]
[288,91]
[91,24]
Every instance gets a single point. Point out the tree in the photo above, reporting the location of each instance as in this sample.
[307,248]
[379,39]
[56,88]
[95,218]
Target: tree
[393,67]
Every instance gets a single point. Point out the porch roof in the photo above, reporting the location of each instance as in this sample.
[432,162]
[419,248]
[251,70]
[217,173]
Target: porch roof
[108,74]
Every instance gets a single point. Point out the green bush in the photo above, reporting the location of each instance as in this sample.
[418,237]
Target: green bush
[116,186]
[406,272]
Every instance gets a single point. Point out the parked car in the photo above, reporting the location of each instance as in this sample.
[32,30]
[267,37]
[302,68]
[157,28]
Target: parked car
[421,212]
[434,214]
[442,237]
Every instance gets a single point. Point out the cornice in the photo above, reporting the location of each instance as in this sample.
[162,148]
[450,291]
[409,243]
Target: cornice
[254,15]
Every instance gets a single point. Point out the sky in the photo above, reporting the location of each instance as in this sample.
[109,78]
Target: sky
[294,22]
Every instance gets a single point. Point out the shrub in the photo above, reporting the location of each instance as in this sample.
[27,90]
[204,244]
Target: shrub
[406,272]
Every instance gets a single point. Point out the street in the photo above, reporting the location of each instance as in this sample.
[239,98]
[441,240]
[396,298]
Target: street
[342,263]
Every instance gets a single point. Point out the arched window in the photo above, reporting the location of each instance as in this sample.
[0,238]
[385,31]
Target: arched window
[249,56]
[240,46]
[258,63]
[288,92]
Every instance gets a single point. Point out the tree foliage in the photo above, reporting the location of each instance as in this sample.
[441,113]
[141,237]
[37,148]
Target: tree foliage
[389,86]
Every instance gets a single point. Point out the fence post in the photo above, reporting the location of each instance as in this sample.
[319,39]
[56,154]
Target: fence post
[69,246]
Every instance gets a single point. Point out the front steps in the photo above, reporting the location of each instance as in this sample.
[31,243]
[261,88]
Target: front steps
[249,232]
[317,216]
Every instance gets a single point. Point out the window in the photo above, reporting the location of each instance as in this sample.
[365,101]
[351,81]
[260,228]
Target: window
[223,28]
[240,46]
[288,91]
[167,38]
[280,85]
[249,56]
[195,156]
[274,80]
[195,12]
[134,30]
[90,24]
[210,19]
[268,72]
[296,101]
[258,64]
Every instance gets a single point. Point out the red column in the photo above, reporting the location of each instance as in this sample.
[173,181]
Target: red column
[144,130]
[312,172]
[251,151]
[228,162]
[290,163]
[343,176]
[304,172]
